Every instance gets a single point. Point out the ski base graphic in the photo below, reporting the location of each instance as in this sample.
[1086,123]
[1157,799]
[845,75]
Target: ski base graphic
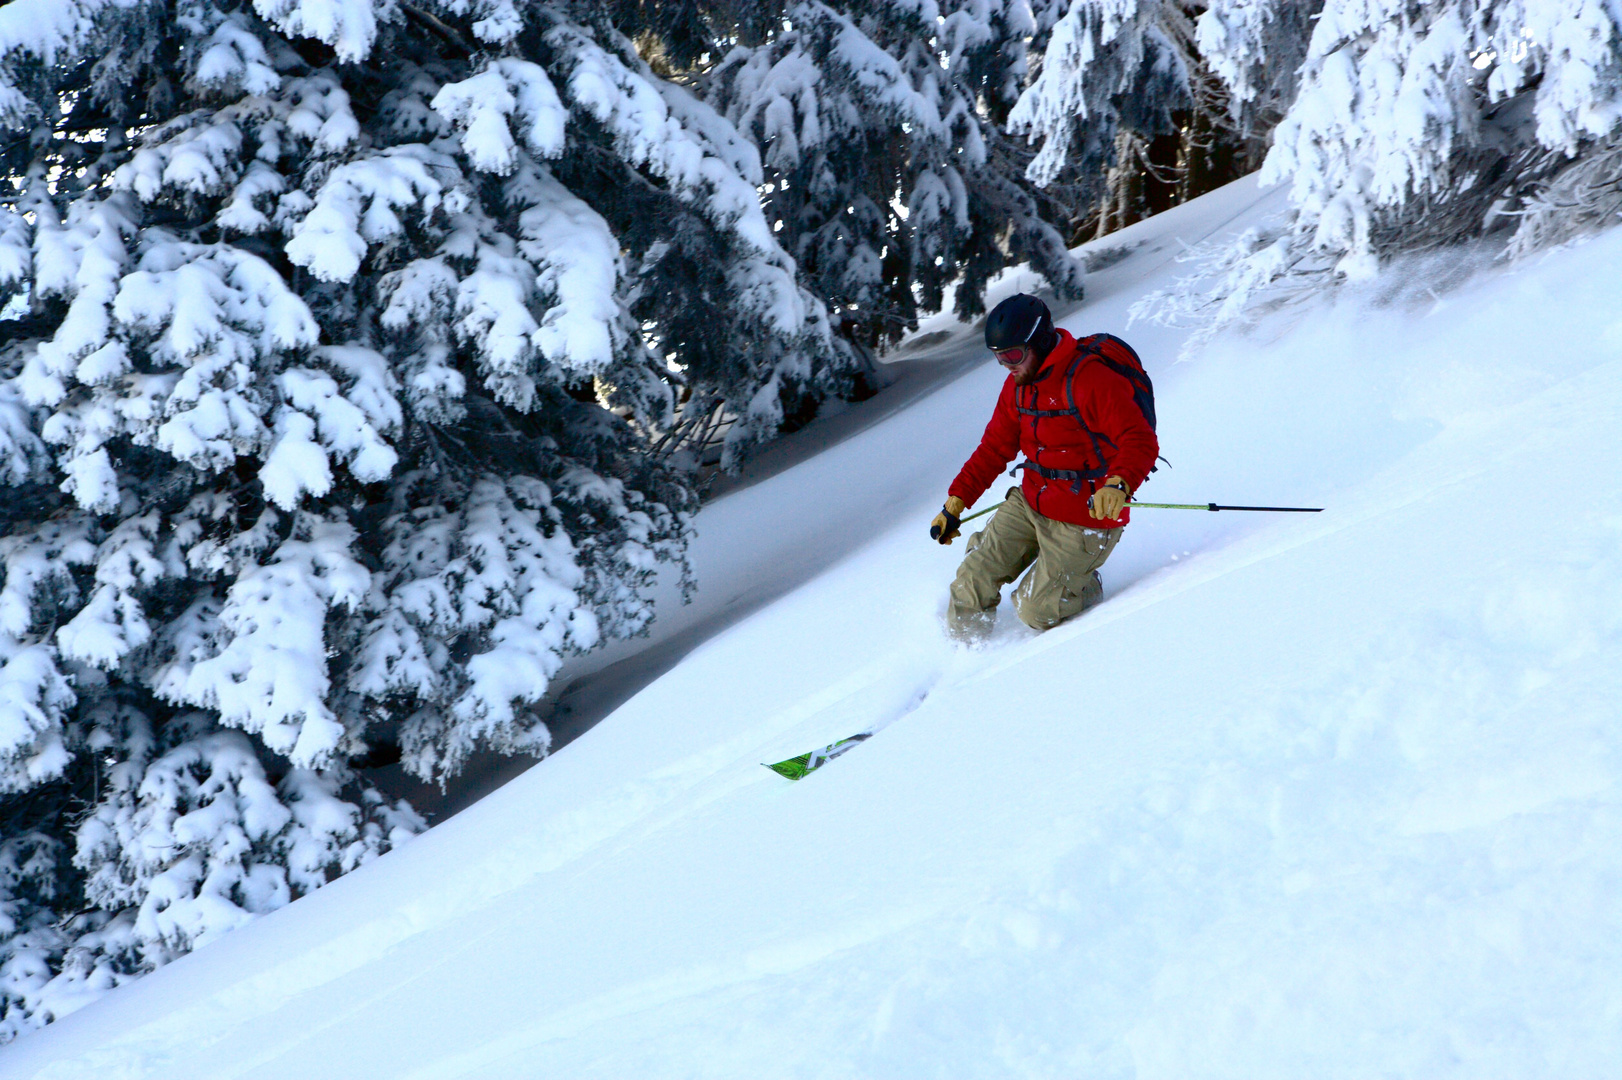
[796,767]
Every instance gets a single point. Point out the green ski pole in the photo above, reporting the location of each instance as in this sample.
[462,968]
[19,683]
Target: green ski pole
[1214,506]
[1183,506]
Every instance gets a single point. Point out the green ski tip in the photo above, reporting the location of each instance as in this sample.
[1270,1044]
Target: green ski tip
[796,767]
[793,768]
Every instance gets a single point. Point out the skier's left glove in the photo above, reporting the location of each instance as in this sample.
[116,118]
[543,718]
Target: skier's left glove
[1108,501]
[944,528]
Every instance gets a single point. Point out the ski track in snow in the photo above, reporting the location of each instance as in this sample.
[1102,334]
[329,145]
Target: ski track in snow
[1304,797]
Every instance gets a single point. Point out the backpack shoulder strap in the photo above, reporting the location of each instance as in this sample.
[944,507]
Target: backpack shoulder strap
[1081,358]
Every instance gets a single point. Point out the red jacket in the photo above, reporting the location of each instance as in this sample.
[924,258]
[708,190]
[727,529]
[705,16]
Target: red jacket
[1126,444]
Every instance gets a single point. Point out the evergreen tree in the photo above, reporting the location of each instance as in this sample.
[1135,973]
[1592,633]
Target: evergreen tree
[1414,120]
[1255,48]
[336,335]
[888,172]
[1107,65]
[349,350]
[1126,106]
[1413,126]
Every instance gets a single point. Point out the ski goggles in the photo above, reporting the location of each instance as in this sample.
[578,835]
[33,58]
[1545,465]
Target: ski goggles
[1010,357]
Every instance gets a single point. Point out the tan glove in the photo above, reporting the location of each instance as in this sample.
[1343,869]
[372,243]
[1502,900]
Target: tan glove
[944,528]
[1108,501]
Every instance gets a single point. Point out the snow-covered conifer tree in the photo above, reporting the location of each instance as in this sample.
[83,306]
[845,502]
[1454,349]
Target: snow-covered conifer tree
[1108,64]
[1407,111]
[887,169]
[335,336]
[1414,126]
[1424,124]
[1255,47]
[1124,100]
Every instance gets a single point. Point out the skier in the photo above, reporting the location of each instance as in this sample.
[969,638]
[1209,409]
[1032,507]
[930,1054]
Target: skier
[1088,445]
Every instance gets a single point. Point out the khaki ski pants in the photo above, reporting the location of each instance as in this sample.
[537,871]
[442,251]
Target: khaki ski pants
[1063,561]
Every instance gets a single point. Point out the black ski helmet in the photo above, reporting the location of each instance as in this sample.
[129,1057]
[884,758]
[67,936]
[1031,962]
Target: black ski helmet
[1021,319]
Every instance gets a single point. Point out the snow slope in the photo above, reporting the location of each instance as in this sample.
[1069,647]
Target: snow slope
[1318,796]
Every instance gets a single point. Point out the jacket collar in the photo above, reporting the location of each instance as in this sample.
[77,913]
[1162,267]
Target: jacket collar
[1057,359]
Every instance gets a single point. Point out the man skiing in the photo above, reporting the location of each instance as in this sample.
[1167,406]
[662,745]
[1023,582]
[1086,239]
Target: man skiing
[1073,410]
